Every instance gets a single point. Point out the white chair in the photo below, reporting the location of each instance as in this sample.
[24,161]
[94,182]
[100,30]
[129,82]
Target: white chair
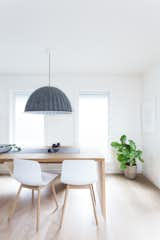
[29,174]
[79,174]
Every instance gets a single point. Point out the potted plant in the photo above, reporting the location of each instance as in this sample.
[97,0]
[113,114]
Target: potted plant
[127,155]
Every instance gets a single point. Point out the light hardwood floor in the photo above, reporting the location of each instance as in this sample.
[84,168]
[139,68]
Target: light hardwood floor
[133,213]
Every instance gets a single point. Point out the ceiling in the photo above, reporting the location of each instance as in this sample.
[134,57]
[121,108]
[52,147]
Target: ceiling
[112,36]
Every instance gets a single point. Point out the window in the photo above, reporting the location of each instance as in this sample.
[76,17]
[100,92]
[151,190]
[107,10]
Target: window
[27,129]
[93,122]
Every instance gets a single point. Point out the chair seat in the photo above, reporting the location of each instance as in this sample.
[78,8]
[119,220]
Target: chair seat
[46,179]
[79,172]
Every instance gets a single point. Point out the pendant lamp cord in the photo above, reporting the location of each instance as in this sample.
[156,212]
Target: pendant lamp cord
[50,67]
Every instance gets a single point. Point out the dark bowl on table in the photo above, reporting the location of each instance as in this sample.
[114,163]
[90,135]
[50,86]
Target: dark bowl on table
[53,150]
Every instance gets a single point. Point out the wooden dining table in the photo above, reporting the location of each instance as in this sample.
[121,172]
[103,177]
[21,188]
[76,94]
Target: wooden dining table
[58,158]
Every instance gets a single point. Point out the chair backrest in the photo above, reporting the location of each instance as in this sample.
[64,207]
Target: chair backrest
[27,171]
[83,167]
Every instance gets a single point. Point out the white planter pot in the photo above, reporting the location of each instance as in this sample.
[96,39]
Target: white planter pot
[130,172]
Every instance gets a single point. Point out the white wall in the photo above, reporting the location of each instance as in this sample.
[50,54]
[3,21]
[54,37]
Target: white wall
[125,93]
[151,141]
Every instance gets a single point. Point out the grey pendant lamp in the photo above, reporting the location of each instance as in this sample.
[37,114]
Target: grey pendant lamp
[48,99]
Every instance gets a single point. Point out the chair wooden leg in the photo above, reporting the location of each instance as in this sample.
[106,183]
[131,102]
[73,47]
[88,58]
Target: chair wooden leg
[33,197]
[38,210]
[15,203]
[54,194]
[64,205]
[93,203]
[93,193]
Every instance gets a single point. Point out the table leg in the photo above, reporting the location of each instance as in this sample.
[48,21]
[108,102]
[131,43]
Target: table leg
[102,186]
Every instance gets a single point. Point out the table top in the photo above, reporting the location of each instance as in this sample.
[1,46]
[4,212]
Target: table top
[50,157]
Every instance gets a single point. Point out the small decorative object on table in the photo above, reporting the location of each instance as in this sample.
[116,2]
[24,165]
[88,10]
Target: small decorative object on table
[8,147]
[54,148]
[127,155]
[14,147]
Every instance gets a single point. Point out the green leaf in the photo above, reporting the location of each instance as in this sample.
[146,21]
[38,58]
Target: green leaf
[123,166]
[132,144]
[138,153]
[123,139]
[121,157]
[125,151]
[132,154]
[140,159]
[115,144]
